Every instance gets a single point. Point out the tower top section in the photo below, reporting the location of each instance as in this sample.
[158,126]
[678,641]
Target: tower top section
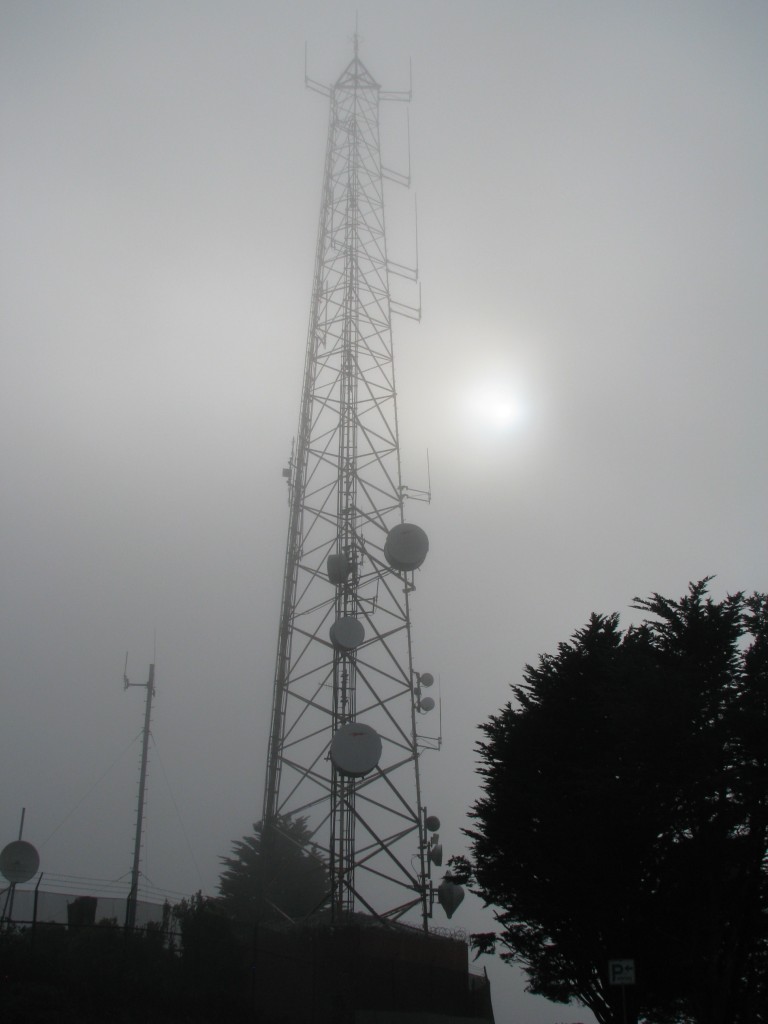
[356,74]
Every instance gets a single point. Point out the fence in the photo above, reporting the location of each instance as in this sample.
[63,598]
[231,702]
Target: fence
[28,907]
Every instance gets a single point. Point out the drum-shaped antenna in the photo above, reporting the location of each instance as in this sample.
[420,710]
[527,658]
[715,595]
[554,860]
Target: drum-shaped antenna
[347,633]
[406,547]
[355,749]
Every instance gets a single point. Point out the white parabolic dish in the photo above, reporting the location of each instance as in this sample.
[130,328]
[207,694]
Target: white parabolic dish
[19,861]
[355,749]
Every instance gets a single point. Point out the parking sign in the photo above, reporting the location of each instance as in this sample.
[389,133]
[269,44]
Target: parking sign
[621,972]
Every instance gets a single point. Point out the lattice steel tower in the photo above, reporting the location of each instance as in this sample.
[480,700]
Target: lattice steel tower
[344,749]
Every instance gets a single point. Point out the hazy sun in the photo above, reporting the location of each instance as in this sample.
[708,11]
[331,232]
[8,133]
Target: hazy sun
[494,406]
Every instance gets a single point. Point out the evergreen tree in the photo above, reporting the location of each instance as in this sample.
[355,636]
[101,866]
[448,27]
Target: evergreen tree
[293,876]
[625,814]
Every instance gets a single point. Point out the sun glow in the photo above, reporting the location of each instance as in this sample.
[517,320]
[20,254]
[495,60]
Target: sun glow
[495,407]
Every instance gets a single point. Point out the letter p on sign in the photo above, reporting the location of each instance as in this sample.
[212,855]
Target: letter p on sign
[621,972]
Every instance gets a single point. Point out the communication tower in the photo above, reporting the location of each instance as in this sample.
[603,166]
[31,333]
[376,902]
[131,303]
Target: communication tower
[344,746]
[133,895]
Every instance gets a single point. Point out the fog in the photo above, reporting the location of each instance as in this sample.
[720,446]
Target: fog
[588,376]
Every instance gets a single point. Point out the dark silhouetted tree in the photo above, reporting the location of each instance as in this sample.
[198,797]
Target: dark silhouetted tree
[625,814]
[215,958]
[275,868]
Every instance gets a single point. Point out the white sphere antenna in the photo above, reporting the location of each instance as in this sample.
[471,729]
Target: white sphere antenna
[449,896]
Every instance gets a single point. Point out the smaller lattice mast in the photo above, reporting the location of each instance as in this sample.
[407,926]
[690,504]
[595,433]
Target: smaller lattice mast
[133,895]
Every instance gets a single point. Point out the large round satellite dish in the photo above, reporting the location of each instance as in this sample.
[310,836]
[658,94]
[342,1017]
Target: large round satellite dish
[449,896]
[355,749]
[406,547]
[426,704]
[432,822]
[426,679]
[347,633]
[19,861]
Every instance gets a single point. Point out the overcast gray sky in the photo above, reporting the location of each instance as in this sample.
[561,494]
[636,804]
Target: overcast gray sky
[589,376]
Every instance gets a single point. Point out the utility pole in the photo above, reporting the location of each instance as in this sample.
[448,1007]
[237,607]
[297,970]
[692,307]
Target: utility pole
[130,913]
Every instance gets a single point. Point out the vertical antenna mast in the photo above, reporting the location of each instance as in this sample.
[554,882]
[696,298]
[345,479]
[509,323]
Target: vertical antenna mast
[343,752]
[130,913]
